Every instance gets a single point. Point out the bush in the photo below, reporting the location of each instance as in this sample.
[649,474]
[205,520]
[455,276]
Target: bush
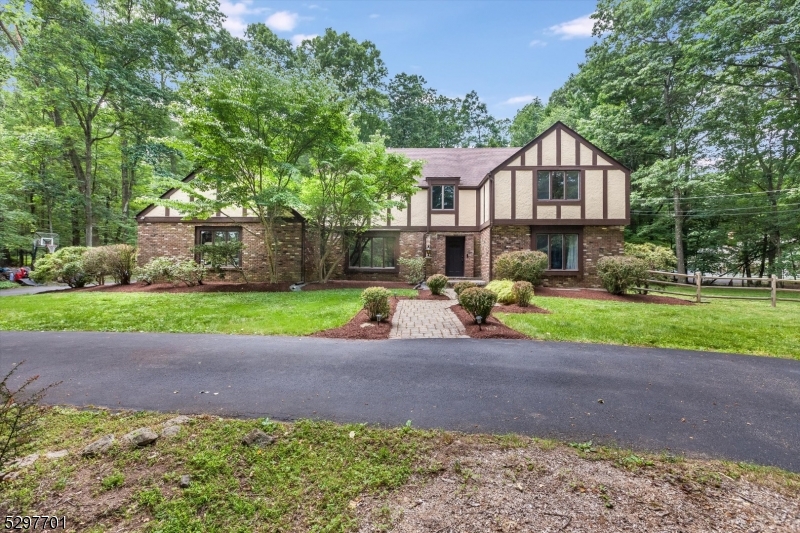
[116,260]
[157,270]
[415,269]
[477,301]
[66,265]
[376,301]
[620,273]
[523,292]
[462,286]
[525,265]
[437,283]
[657,257]
[188,271]
[503,289]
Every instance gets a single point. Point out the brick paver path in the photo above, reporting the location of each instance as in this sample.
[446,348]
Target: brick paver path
[426,319]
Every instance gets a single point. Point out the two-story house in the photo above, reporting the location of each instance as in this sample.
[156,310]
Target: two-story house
[559,194]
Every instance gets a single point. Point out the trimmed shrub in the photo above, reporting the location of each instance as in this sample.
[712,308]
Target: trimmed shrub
[462,286]
[503,289]
[437,283]
[376,301]
[620,273]
[157,270]
[415,269]
[66,265]
[525,265]
[523,292]
[188,271]
[657,257]
[477,301]
[116,260]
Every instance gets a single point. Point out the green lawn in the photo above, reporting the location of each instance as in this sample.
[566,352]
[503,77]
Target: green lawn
[262,313]
[740,326]
[7,285]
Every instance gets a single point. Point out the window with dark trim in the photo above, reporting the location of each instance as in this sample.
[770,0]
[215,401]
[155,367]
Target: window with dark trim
[215,235]
[561,250]
[443,197]
[372,252]
[558,185]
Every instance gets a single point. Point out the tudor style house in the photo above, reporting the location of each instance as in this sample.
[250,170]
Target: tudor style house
[558,194]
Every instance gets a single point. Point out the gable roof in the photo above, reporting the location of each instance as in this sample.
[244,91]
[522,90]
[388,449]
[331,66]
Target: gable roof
[469,164]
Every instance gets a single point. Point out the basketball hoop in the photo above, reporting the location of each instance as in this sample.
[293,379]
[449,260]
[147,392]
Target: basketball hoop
[52,248]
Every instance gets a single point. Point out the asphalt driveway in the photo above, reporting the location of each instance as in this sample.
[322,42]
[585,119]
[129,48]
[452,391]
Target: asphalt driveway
[732,406]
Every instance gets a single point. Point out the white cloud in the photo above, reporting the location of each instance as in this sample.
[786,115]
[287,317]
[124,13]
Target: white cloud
[536,43]
[235,13]
[298,39]
[374,16]
[575,28]
[515,100]
[282,21]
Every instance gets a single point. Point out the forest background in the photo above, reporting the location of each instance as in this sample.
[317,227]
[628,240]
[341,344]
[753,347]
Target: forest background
[700,98]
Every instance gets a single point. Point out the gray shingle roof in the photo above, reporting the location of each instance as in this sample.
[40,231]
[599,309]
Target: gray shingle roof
[469,164]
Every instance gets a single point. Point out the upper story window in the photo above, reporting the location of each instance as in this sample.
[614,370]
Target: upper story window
[443,197]
[558,185]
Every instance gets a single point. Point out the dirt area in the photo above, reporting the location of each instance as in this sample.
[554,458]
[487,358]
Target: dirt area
[361,327]
[469,486]
[428,295]
[490,329]
[589,294]
[227,286]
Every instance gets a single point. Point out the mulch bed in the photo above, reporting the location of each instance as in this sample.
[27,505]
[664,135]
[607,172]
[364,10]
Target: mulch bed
[588,294]
[428,295]
[490,329]
[514,308]
[354,329]
[227,286]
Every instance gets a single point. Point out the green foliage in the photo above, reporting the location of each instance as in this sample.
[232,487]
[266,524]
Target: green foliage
[157,270]
[214,256]
[116,260]
[414,269]
[20,417]
[113,481]
[462,286]
[504,289]
[524,265]
[477,302]
[528,123]
[618,274]
[523,292]
[376,301]
[656,257]
[437,283]
[189,272]
[65,265]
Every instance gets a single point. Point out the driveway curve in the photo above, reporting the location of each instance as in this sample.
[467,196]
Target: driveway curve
[738,407]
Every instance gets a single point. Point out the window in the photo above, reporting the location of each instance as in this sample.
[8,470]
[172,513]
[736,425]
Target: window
[443,197]
[220,236]
[558,185]
[372,252]
[561,250]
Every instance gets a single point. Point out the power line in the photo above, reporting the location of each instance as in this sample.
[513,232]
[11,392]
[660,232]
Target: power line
[712,215]
[722,195]
[759,207]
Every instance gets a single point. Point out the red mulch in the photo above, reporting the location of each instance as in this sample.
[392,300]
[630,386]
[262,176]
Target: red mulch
[490,329]
[227,286]
[353,329]
[588,294]
[428,295]
[514,308]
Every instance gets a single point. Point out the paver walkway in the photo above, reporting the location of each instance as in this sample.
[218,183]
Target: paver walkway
[426,319]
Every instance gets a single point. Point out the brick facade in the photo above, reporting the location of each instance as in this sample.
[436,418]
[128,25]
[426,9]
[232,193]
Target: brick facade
[176,239]
[509,239]
[600,241]
[486,254]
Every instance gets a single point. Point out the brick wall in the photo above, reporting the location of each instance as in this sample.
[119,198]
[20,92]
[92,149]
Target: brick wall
[486,253]
[510,239]
[600,241]
[176,239]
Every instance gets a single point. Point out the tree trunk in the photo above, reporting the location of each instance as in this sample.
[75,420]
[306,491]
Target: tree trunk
[679,233]
[87,188]
[126,175]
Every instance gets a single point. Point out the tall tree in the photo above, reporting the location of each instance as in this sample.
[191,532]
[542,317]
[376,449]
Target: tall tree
[527,123]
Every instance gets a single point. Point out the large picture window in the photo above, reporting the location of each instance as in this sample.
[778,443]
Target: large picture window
[443,197]
[561,250]
[372,252]
[558,185]
[219,235]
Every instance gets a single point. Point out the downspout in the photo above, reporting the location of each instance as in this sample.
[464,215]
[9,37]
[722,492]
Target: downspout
[302,251]
[491,224]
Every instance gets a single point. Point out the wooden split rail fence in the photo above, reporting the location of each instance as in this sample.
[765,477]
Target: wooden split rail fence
[771,284]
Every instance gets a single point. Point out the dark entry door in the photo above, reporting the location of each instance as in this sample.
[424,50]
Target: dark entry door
[454,258]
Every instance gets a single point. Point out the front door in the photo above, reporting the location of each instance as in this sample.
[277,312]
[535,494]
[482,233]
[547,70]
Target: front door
[454,257]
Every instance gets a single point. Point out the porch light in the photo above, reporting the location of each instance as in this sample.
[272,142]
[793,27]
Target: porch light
[478,319]
[379,317]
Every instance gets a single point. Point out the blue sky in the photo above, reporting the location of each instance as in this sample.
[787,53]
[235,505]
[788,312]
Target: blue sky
[507,51]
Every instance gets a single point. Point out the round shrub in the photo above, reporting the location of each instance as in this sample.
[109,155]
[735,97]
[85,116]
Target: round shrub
[620,273]
[115,260]
[525,265]
[462,286]
[414,269]
[157,270]
[66,265]
[437,283]
[523,292]
[503,288]
[376,301]
[477,301]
